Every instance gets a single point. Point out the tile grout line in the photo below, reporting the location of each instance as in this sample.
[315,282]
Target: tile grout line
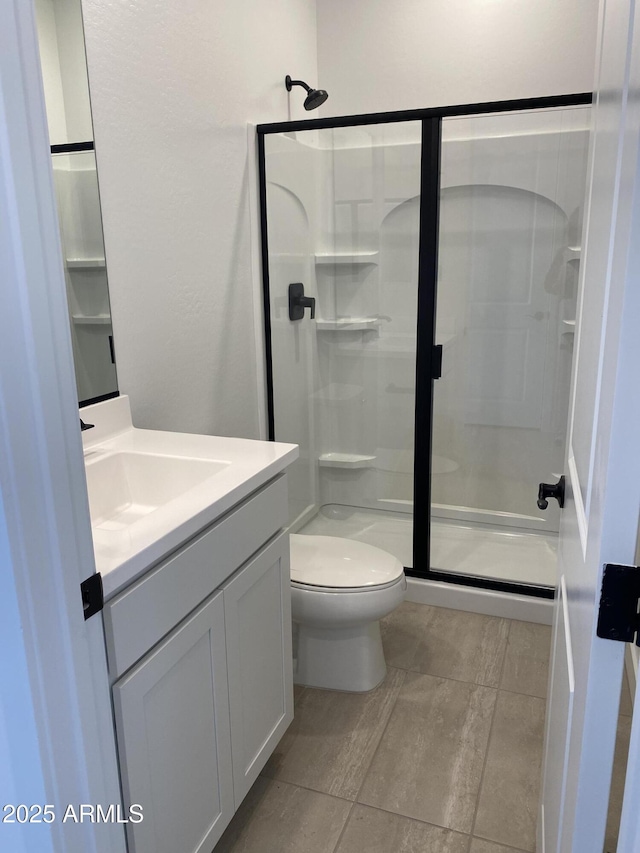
[477,683]
[373,808]
[401,672]
[496,688]
[344,828]
[386,811]
[400,815]
[493,719]
[354,802]
[306,788]
[414,819]
[380,739]
[518,693]
[507,847]
[497,685]
[367,772]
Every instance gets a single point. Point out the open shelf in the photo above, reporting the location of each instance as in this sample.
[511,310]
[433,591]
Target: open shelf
[348,324]
[92,320]
[345,460]
[86,263]
[346,258]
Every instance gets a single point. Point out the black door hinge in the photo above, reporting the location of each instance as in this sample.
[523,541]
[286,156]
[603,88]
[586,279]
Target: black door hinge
[436,362]
[92,595]
[618,617]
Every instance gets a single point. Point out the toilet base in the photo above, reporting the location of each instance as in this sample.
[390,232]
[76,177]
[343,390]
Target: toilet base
[349,659]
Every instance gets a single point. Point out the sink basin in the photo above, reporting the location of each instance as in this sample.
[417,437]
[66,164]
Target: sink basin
[126,486]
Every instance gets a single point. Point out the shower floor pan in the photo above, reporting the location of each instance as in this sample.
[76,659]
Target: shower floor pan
[467,549]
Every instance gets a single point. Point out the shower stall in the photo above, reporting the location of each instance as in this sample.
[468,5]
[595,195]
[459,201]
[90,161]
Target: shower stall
[420,283]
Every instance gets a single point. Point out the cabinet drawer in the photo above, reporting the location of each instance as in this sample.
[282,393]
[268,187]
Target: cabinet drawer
[136,619]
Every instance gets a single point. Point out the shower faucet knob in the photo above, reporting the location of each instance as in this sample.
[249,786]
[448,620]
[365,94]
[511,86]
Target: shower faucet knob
[298,302]
[551,490]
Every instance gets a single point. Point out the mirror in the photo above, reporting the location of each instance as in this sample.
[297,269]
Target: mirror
[66,89]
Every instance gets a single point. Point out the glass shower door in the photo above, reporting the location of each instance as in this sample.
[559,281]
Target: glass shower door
[342,219]
[511,199]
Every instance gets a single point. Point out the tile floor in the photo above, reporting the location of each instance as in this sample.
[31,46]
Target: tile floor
[443,757]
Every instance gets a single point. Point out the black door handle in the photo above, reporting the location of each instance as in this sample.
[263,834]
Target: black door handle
[298,302]
[551,490]
[436,361]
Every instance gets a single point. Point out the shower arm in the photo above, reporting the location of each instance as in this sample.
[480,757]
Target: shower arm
[289,83]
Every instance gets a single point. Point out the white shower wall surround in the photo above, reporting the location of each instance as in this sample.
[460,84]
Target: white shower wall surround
[510,219]
[349,218]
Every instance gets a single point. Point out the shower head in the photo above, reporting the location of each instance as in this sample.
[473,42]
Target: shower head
[314,98]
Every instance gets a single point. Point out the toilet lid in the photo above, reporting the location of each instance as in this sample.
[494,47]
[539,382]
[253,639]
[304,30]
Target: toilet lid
[331,561]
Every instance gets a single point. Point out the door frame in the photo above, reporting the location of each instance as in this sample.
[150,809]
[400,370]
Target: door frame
[57,743]
[431,119]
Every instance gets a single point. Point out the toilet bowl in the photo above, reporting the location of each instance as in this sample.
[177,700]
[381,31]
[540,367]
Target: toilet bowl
[340,588]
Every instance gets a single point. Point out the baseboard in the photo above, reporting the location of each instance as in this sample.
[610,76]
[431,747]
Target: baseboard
[525,608]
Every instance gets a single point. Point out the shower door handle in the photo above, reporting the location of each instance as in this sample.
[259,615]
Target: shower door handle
[551,490]
[436,361]
[298,302]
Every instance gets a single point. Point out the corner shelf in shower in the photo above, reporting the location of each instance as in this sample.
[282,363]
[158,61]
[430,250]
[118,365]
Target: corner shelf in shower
[86,263]
[91,319]
[348,324]
[333,258]
[345,460]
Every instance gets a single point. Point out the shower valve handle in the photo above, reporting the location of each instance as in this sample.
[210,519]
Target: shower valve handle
[298,302]
[551,490]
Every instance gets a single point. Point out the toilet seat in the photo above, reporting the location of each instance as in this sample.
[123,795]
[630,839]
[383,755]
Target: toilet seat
[334,564]
[343,590]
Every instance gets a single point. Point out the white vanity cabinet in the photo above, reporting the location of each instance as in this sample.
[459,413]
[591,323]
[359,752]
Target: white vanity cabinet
[257,615]
[174,743]
[202,689]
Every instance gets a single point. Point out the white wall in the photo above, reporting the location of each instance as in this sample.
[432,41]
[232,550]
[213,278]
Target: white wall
[406,54]
[173,86]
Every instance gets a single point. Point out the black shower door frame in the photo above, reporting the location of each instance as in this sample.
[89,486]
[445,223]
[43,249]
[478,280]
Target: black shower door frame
[428,354]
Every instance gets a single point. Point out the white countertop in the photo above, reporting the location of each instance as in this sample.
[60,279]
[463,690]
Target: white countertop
[123,554]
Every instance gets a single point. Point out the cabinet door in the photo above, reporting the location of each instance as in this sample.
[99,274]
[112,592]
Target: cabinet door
[174,743]
[257,607]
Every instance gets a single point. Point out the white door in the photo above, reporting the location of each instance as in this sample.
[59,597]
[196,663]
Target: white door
[600,517]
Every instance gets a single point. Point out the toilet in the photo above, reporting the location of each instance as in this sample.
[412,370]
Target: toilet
[340,589]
